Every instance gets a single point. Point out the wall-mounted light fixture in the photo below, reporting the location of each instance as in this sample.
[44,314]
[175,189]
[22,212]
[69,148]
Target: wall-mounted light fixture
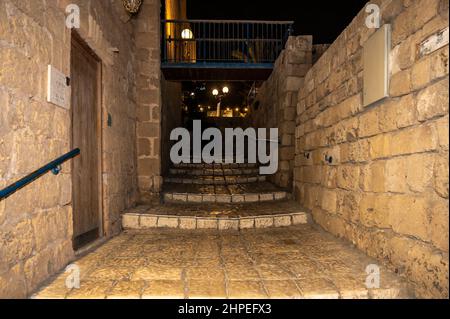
[329,159]
[132,6]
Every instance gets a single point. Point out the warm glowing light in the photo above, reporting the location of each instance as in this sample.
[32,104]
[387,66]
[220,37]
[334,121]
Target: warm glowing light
[215,92]
[186,34]
[246,109]
[225,90]
[237,109]
[202,109]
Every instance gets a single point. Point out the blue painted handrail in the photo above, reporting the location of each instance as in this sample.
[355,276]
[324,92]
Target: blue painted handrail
[54,167]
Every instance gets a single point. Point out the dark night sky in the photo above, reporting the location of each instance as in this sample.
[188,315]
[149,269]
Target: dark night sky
[325,20]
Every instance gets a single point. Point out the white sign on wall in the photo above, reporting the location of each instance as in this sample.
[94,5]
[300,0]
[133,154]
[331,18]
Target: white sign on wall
[376,65]
[57,87]
[434,42]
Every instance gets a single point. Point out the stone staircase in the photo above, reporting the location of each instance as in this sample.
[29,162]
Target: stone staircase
[217,196]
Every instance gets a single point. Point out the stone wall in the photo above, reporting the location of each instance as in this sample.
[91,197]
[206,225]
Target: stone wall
[387,187]
[275,103]
[149,100]
[36,222]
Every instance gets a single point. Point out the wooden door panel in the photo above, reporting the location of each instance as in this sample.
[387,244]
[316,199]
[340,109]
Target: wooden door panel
[85,70]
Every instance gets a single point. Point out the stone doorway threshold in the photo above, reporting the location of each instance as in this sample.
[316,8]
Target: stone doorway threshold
[292,262]
[235,216]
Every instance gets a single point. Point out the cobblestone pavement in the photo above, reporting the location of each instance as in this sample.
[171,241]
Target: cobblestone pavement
[293,262]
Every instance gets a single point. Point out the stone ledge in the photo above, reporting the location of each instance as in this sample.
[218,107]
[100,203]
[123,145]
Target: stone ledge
[136,221]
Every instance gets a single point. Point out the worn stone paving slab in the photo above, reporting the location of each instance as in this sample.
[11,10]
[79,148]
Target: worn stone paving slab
[292,262]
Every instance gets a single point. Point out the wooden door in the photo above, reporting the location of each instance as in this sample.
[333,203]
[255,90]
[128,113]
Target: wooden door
[86,128]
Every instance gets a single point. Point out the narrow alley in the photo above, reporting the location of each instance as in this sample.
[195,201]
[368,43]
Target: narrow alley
[188,149]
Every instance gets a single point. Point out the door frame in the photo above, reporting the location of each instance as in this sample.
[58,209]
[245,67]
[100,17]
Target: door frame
[75,36]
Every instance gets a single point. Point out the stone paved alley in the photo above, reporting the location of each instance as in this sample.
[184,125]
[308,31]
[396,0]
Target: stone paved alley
[95,118]
[294,262]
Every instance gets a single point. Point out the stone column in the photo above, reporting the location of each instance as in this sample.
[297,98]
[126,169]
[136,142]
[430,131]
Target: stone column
[277,99]
[148,100]
[297,61]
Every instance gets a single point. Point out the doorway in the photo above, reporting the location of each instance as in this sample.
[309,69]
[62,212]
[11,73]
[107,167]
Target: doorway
[86,135]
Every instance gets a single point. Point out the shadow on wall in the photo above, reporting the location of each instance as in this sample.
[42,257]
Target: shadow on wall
[171,93]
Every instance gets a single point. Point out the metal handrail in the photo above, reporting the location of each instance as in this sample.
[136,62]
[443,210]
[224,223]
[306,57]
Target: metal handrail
[223,41]
[231,21]
[53,166]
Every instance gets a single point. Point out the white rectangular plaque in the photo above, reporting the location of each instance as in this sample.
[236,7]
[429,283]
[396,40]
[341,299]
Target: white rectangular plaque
[376,65]
[57,87]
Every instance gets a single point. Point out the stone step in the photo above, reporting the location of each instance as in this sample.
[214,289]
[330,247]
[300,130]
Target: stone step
[216,216]
[214,171]
[215,165]
[237,193]
[216,180]
[174,197]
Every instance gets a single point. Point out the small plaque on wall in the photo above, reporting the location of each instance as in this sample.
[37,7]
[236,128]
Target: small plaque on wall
[57,85]
[434,42]
[376,64]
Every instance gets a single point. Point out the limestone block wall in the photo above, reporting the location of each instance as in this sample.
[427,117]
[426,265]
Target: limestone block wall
[276,101]
[36,222]
[387,187]
[149,100]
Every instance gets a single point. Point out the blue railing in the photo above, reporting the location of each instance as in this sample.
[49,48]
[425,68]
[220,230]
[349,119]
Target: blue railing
[223,41]
[53,166]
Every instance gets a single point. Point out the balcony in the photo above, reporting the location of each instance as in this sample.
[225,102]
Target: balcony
[221,49]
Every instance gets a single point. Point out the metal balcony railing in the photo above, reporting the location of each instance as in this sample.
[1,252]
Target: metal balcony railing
[223,41]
